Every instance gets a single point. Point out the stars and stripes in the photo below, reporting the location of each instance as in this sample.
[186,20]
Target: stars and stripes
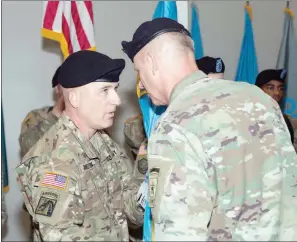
[54,180]
[71,23]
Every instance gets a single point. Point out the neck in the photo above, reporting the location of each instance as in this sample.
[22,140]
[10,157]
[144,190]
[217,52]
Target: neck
[184,69]
[86,131]
[58,108]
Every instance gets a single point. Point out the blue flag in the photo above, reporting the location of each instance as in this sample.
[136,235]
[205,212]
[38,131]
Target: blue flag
[247,69]
[287,58]
[195,32]
[152,113]
[166,9]
[3,155]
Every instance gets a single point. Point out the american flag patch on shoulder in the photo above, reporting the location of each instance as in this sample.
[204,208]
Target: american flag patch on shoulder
[54,180]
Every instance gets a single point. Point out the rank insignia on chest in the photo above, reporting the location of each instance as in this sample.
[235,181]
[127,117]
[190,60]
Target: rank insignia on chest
[153,181]
[47,204]
[54,180]
[110,156]
[88,165]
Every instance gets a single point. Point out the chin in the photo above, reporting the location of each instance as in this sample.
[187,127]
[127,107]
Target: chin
[157,103]
[108,124]
[104,125]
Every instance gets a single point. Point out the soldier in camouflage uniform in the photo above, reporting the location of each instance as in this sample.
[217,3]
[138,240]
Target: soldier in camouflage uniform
[136,140]
[133,127]
[38,121]
[272,82]
[221,163]
[75,180]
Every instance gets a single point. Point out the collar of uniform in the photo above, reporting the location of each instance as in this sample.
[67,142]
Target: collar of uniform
[51,116]
[85,144]
[190,79]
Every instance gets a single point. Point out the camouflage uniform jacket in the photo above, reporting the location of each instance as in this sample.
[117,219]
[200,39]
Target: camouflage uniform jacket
[222,165]
[78,189]
[134,133]
[137,142]
[34,126]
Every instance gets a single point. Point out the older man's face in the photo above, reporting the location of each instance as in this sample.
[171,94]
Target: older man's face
[149,80]
[97,104]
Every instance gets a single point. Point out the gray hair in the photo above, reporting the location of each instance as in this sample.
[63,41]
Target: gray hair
[180,41]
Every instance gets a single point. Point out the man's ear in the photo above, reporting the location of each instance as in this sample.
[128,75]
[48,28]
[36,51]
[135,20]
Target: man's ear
[151,60]
[74,95]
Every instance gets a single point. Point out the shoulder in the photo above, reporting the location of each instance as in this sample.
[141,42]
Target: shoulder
[134,131]
[34,117]
[54,169]
[56,139]
[49,181]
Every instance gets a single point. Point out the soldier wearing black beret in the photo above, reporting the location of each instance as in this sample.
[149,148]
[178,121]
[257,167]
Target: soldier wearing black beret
[272,82]
[213,67]
[83,188]
[213,151]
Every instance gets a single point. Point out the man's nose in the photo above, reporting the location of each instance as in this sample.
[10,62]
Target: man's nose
[277,92]
[116,99]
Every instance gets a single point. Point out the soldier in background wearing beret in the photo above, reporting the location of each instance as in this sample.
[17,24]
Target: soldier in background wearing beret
[272,82]
[75,180]
[37,123]
[220,154]
[212,67]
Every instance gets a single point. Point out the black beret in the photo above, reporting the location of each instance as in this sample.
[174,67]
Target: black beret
[211,65]
[55,78]
[86,66]
[149,30]
[271,74]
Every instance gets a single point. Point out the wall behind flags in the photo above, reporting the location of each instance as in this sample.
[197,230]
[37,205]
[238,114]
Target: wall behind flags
[28,64]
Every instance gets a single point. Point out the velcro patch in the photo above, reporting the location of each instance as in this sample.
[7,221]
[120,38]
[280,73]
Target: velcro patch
[87,165]
[153,182]
[142,194]
[47,203]
[54,180]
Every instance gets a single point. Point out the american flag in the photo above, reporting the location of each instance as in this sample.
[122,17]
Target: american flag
[71,23]
[55,180]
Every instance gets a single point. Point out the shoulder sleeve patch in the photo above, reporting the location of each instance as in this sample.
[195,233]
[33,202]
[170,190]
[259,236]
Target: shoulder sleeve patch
[47,203]
[54,180]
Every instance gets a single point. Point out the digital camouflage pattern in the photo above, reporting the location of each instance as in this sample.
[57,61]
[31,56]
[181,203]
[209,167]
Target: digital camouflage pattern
[134,133]
[222,165]
[137,142]
[78,189]
[294,125]
[34,126]
[3,206]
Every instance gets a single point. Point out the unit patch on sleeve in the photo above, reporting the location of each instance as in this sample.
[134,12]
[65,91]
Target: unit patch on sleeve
[47,203]
[54,180]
